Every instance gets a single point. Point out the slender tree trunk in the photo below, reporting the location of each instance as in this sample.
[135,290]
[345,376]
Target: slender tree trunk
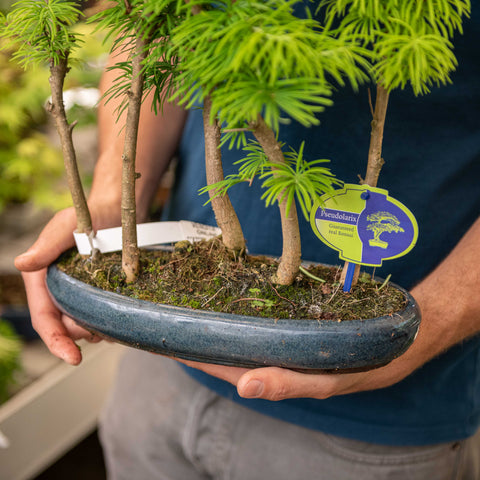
[130,252]
[57,109]
[291,252]
[225,215]
[375,160]
[227,220]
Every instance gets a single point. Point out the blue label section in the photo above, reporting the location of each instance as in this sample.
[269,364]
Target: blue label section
[340,216]
[384,229]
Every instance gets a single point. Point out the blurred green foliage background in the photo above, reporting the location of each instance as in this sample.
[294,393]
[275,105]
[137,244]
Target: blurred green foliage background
[31,165]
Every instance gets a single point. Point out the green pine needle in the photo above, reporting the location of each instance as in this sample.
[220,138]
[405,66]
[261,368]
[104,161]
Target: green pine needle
[39,31]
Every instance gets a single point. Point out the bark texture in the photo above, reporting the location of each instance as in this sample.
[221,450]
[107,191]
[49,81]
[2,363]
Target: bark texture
[225,215]
[130,253]
[64,129]
[375,160]
[291,250]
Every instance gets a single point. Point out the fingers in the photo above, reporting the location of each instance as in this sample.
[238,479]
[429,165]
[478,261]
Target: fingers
[229,374]
[76,332]
[274,383]
[55,238]
[47,320]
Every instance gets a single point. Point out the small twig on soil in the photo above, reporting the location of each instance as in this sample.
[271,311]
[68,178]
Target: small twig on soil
[333,294]
[359,300]
[94,274]
[108,274]
[211,248]
[163,267]
[279,296]
[213,296]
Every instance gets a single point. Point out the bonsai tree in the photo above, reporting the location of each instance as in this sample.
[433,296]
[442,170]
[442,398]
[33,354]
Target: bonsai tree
[142,30]
[290,73]
[250,63]
[40,32]
[408,43]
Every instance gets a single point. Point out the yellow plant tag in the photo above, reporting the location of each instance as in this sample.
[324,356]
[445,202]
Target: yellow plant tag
[364,224]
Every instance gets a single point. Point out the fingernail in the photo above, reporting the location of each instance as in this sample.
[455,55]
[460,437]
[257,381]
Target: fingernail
[71,358]
[253,389]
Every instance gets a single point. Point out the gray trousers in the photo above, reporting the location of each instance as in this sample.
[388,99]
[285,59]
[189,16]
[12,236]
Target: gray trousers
[161,424]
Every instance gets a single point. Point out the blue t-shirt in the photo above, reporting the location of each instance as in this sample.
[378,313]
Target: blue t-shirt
[432,154]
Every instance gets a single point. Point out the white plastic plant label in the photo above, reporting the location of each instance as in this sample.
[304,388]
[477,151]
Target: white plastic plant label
[148,234]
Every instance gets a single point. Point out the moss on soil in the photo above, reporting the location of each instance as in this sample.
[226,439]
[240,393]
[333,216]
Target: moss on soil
[206,276]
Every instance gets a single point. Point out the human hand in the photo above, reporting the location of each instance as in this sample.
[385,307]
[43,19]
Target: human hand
[57,331]
[273,383]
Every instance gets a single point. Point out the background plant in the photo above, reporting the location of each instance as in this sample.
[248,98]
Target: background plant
[10,349]
[40,33]
[31,166]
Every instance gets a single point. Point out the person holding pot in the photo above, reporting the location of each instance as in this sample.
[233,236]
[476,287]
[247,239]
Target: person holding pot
[415,418]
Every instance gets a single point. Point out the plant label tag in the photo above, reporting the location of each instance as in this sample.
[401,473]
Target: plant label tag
[148,234]
[364,224]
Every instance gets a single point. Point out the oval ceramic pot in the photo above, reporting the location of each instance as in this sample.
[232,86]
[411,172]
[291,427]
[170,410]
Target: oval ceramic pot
[238,340]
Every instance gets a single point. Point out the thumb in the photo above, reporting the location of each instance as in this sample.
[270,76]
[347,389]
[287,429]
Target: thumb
[274,383]
[55,238]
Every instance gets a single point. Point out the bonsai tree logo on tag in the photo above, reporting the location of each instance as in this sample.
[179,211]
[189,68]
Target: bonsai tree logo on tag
[364,224]
[382,222]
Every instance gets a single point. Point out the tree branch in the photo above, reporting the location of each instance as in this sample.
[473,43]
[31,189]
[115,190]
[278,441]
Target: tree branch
[375,160]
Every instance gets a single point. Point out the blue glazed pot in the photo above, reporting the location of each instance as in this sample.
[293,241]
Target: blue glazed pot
[238,340]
